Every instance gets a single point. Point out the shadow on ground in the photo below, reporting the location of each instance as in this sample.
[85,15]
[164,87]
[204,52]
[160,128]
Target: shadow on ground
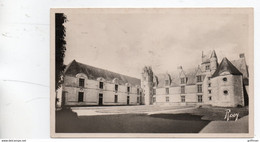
[67,121]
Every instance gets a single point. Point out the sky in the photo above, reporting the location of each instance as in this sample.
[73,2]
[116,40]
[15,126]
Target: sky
[124,41]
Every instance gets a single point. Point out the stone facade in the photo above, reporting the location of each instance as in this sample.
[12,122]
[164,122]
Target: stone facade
[83,88]
[210,83]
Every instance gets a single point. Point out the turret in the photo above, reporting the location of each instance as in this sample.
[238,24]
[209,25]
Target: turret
[213,62]
[147,85]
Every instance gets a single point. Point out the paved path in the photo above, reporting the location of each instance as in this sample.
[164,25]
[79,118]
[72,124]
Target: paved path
[93,111]
[239,126]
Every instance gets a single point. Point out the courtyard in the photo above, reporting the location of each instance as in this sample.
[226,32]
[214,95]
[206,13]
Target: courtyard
[143,119]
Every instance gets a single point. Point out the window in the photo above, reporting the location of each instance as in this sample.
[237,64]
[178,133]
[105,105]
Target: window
[166,82]
[167,90]
[182,80]
[207,67]
[199,88]
[116,98]
[138,99]
[199,78]
[183,99]
[101,85]
[225,79]
[225,92]
[182,89]
[167,99]
[128,89]
[116,88]
[209,91]
[154,99]
[137,91]
[199,98]
[81,82]
[210,98]
[154,91]
[208,78]
[80,96]
[209,85]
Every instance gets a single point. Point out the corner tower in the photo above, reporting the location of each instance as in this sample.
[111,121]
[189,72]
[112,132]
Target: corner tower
[147,85]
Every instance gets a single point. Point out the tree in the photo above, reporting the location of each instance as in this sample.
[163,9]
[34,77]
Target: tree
[60,48]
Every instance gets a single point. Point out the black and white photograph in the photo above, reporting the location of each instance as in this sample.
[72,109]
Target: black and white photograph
[152,72]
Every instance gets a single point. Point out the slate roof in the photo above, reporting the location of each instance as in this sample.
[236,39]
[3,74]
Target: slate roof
[240,64]
[175,77]
[224,66]
[93,73]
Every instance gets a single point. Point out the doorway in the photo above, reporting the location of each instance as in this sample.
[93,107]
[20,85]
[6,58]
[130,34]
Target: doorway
[80,97]
[128,98]
[100,100]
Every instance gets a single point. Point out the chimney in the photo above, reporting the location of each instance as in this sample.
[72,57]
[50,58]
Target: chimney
[242,55]
[179,67]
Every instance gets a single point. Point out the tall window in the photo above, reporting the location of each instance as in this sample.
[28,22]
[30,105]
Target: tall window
[182,89]
[116,98]
[199,88]
[182,80]
[128,89]
[101,85]
[199,98]
[80,96]
[167,99]
[154,91]
[167,83]
[137,91]
[199,78]
[154,99]
[183,99]
[210,98]
[167,90]
[207,67]
[116,88]
[81,82]
[138,99]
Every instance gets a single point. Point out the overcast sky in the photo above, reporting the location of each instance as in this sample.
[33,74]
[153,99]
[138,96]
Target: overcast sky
[126,42]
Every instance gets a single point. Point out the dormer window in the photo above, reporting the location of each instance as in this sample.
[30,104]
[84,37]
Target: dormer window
[207,67]
[81,82]
[116,87]
[199,78]
[101,85]
[167,82]
[183,81]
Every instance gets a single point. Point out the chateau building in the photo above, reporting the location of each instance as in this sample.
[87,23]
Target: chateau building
[86,85]
[211,83]
[222,84]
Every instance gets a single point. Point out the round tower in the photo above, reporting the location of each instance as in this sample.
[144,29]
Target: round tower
[147,85]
